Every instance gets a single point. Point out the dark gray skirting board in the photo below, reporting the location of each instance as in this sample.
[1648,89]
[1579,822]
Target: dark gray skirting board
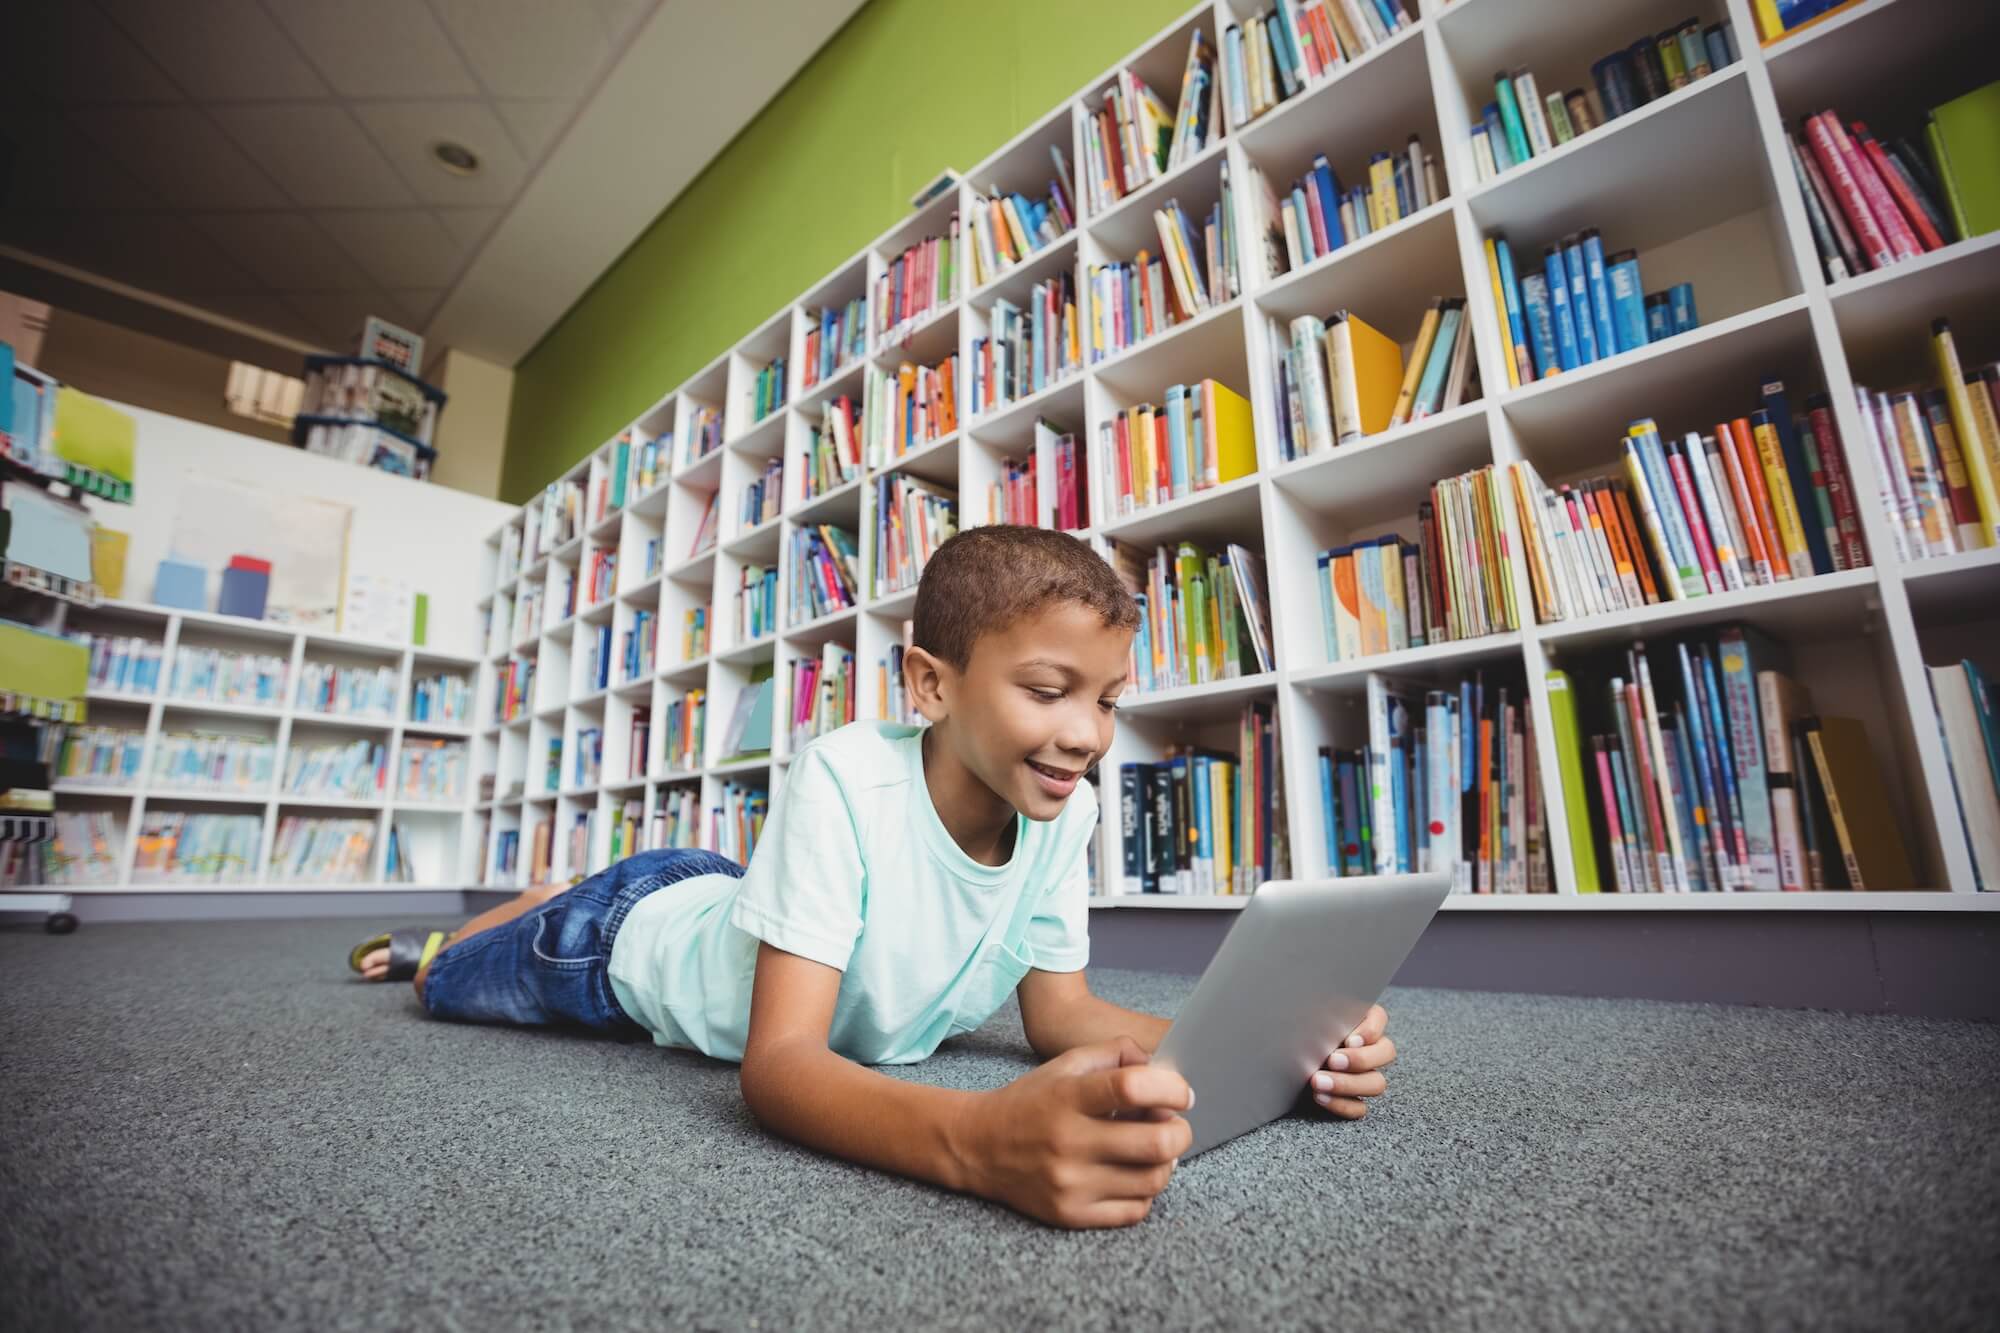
[1932,964]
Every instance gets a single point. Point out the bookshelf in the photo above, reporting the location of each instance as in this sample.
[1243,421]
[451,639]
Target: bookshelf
[439,834]
[1863,637]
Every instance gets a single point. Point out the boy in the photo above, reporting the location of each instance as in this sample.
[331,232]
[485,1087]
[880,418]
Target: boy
[906,881]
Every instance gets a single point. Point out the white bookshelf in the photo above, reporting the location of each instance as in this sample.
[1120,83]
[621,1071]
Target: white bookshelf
[1698,182]
[442,837]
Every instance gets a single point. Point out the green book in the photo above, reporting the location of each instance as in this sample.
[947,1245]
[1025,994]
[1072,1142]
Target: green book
[1965,137]
[1569,764]
[1510,116]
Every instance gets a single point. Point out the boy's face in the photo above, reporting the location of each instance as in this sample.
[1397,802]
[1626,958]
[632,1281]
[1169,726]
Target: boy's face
[1034,707]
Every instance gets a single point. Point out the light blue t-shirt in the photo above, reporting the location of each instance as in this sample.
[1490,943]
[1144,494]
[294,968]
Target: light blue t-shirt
[855,870]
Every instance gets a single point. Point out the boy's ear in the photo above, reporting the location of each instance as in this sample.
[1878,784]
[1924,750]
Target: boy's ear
[924,676]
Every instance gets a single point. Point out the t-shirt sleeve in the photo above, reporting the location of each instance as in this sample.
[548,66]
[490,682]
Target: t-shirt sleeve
[1059,931]
[802,892]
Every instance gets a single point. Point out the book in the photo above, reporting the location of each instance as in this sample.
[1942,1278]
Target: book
[1864,820]
[1965,707]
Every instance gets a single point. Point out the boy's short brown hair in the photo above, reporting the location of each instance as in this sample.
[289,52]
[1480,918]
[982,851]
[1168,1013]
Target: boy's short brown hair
[985,579]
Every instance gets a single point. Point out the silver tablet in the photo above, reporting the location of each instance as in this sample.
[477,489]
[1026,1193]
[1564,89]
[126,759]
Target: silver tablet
[1293,977]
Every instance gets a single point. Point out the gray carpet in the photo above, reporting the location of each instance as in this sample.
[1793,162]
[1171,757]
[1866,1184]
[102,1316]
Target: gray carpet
[211,1126]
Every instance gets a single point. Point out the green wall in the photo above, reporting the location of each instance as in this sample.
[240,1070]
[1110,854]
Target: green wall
[904,90]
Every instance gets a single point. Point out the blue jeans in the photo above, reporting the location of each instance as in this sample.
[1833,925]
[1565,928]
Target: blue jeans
[550,967]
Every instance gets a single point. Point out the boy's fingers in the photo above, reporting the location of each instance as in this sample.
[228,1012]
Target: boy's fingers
[1347,1108]
[1134,1088]
[1360,1059]
[1349,1085]
[1371,1027]
[1141,1143]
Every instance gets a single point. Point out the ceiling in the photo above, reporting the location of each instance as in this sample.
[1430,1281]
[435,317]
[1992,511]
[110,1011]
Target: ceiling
[266,164]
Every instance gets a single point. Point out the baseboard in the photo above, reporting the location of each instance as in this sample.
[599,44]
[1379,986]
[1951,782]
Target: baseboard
[1930,964]
[446,905]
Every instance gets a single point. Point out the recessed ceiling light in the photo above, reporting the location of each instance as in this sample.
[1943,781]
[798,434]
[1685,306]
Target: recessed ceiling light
[455,157]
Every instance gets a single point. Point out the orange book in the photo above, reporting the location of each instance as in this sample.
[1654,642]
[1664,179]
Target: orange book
[1614,537]
[1738,483]
[1641,566]
[1149,318]
[948,394]
[1760,497]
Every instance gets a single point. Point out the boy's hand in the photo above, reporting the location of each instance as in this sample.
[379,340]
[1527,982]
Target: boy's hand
[1046,1144]
[1354,1071]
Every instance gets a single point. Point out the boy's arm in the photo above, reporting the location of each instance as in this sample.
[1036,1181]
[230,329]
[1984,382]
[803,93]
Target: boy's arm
[1059,1013]
[1044,1144]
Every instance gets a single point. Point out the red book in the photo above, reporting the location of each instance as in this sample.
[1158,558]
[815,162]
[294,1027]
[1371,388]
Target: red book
[1899,189]
[1316,222]
[1875,247]
[1839,483]
[1704,547]
[1163,464]
[1888,217]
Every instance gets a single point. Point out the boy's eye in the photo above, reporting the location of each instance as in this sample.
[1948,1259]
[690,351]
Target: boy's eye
[1045,695]
[1108,705]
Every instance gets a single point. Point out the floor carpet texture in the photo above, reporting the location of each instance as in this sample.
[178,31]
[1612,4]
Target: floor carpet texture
[214,1126]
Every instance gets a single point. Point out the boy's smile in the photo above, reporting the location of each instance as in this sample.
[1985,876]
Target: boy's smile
[1018,728]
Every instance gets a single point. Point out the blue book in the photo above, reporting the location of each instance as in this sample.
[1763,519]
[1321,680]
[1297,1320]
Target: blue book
[1680,298]
[1388,14]
[1659,324]
[1707,786]
[1567,356]
[1666,501]
[1496,136]
[1517,320]
[1541,323]
[1621,790]
[1204,828]
[181,584]
[1983,704]
[1430,390]
[1628,301]
[1329,816]
[1710,685]
[1308,248]
[1399,795]
[1600,293]
[1281,60]
[1357,200]
[1680,764]
[1799,469]
[1177,441]
[1743,652]
[1355,856]
[1579,302]
[1325,563]
[1239,85]
[1328,187]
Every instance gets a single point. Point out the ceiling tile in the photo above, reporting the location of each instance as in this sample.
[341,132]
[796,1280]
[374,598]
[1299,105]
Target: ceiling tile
[527,48]
[400,247]
[230,51]
[376,48]
[179,152]
[155,252]
[319,154]
[57,167]
[535,124]
[406,130]
[621,18]
[283,249]
[468,226]
[66,51]
[337,316]
[418,304]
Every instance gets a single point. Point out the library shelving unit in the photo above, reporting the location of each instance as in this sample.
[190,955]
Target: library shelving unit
[439,836]
[1699,181]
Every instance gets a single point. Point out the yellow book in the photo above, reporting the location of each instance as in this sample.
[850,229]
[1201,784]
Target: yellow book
[1382,192]
[1500,312]
[1784,506]
[1979,446]
[1377,373]
[107,560]
[1218,801]
[1232,438]
[1420,355]
[1769,29]
[92,433]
